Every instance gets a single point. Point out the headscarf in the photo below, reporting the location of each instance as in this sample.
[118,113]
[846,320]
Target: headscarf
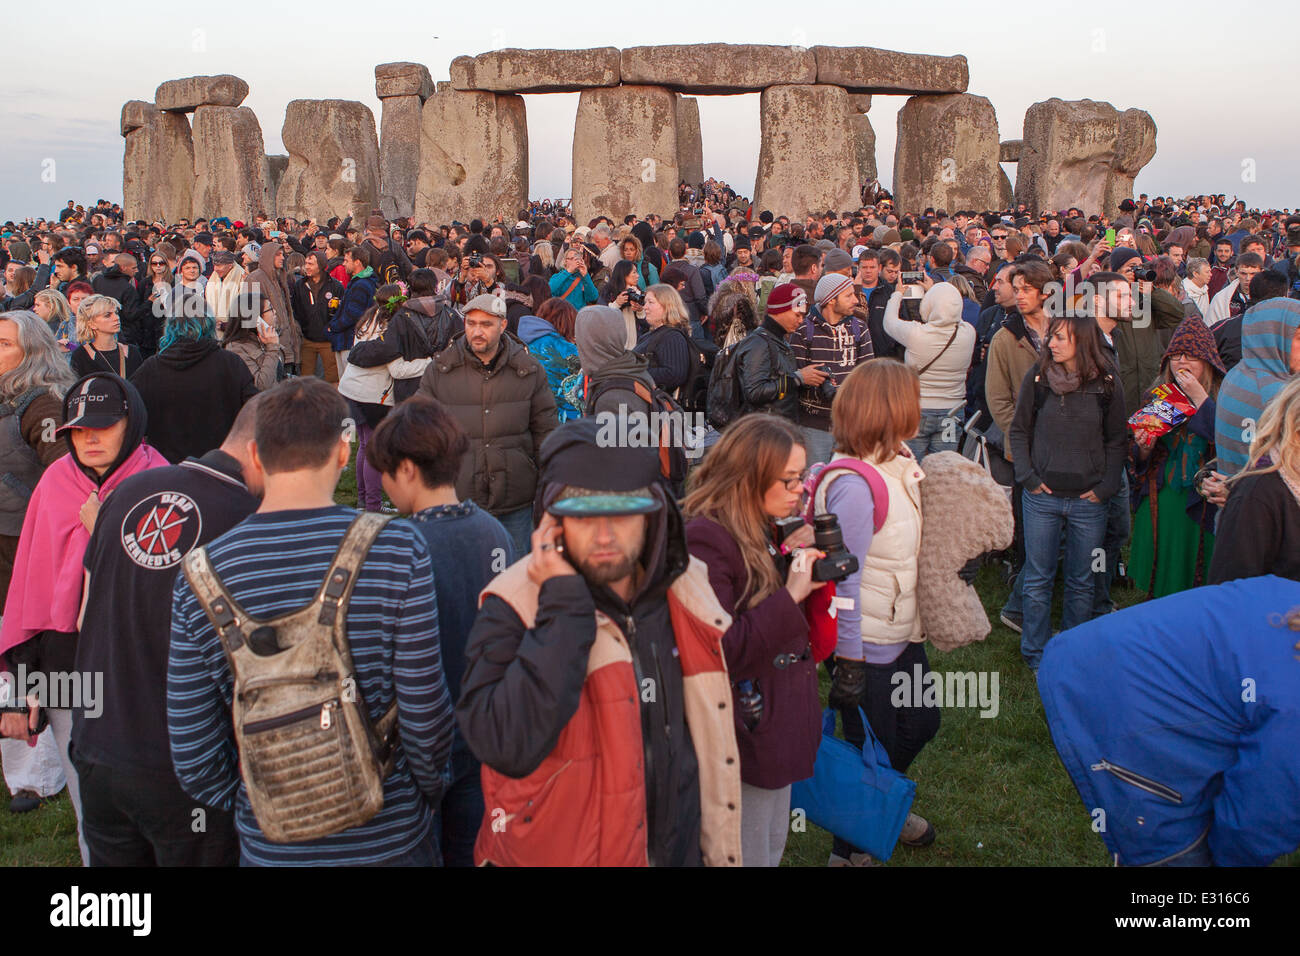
[1267,330]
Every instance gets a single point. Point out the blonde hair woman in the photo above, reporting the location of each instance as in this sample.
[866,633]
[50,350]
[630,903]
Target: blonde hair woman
[98,325]
[52,306]
[1259,531]
[666,344]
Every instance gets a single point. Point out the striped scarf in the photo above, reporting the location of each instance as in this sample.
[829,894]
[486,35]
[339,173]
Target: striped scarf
[1266,334]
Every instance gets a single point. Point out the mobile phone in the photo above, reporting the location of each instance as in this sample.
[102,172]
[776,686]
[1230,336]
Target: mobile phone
[911,278]
[1110,236]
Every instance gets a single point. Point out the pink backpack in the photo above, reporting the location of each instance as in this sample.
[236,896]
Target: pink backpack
[879,490]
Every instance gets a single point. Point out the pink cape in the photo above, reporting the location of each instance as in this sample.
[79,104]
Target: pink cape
[45,593]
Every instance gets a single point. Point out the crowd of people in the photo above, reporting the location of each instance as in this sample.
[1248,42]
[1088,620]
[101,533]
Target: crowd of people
[572,651]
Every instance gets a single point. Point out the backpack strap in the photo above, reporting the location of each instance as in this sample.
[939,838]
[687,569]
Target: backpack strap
[229,619]
[819,481]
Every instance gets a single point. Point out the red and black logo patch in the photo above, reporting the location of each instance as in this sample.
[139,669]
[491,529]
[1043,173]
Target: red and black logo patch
[160,530]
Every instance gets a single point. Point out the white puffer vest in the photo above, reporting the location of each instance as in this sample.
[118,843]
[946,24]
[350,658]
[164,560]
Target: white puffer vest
[887,594]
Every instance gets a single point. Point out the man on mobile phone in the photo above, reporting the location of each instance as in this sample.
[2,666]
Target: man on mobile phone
[591,663]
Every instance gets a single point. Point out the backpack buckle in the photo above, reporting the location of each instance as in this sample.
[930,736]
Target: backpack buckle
[334,588]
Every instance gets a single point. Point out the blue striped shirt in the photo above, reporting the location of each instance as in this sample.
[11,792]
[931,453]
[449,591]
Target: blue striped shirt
[273,564]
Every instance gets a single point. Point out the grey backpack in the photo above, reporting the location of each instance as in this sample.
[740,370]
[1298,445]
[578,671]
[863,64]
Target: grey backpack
[311,760]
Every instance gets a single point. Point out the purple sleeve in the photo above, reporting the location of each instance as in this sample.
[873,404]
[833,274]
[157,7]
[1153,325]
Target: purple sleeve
[849,498]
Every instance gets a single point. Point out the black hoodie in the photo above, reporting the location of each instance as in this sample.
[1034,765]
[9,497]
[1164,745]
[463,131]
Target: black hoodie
[193,390]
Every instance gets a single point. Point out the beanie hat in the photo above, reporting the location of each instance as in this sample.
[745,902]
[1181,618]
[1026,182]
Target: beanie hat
[695,240]
[741,242]
[828,287]
[835,260]
[597,477]
[1120,257]
[785,297]
[1194,338]
[941,304]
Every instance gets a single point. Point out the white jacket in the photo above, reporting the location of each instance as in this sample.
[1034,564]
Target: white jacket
[220,293]
[1220,307]
[943,384]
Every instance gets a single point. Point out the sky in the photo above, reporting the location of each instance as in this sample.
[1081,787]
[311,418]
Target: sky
[1220,127]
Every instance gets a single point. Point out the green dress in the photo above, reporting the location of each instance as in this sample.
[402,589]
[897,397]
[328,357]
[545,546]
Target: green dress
[1179,536]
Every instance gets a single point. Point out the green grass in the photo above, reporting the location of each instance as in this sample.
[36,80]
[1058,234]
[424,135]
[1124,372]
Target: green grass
[993,787]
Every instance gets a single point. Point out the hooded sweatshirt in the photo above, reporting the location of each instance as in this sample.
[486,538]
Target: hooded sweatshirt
[941,344]
[45,593]
[272,284]
[1267,331]
[559,357]
[610,368]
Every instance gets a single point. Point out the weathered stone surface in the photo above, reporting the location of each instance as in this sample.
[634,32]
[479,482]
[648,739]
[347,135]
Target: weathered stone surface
[625,153]
[333,160]
[863,69]
[806,160]
[229,163]
[473,157]
[718,67]
[399,155]
[135,114]
[860,102]
[1006,193]
[187,95]
[158,165]
[1009,150]
[947,152]
[1081,153]
[864,146]
[536,71]
[442,86]
[403,79]
[690,144]
[275,167]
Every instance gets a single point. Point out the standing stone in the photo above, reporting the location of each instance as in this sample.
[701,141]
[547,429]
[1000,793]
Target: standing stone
[625,153]
[864,69]
[333,160]
[718,67]
[690,144]
[229,163]
[399,159]
[1006,193]
[1081,153]
[275,167]
[158,164]
[473,157]
[403,79]
[1009,150]
[947,154]
[864,146]
[536,71]
[808,158]
[187,95]
[860,102]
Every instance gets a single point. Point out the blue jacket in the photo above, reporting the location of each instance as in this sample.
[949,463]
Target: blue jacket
[558,356]
[584,293]
[357,297]
[1179,718]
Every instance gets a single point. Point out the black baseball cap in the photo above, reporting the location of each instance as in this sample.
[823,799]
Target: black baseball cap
[95,403]
[597,477]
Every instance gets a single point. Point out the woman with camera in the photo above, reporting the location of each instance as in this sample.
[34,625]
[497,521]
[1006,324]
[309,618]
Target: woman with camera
[622,292]
[875,411]
[1173,527]
[1068,440]
[1259,532]
[751,479]
[666,344]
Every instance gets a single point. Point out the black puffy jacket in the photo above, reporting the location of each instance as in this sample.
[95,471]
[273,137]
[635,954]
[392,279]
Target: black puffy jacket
[767,371]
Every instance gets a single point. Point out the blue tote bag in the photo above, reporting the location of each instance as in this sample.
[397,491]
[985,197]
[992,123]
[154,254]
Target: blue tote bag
[854,794]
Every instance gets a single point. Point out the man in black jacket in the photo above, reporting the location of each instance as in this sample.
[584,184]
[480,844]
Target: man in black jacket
[882,343]
[118,282]
[134,812]
[766,368]
[314,298]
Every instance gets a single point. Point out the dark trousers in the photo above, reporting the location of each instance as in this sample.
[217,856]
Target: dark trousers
[459,816]
[902,731]
[144,818]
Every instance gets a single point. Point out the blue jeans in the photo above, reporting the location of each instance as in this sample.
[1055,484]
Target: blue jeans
[1084,523]
[940,431]
[519,525]
[817,443]
[456,823]
[1119,525]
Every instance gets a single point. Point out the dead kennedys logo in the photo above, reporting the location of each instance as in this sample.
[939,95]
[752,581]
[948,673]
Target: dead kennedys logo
[159,531]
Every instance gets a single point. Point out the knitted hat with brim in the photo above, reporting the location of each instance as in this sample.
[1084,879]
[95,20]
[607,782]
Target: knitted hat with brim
[1194,338]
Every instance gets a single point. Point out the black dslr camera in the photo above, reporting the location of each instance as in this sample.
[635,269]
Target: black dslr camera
[839,563]
[635,297]
[475,260]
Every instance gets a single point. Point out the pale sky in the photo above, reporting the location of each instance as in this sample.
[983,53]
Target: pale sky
[1226,120]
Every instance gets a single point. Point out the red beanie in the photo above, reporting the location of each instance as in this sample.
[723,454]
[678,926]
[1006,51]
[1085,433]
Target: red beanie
[785,297]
